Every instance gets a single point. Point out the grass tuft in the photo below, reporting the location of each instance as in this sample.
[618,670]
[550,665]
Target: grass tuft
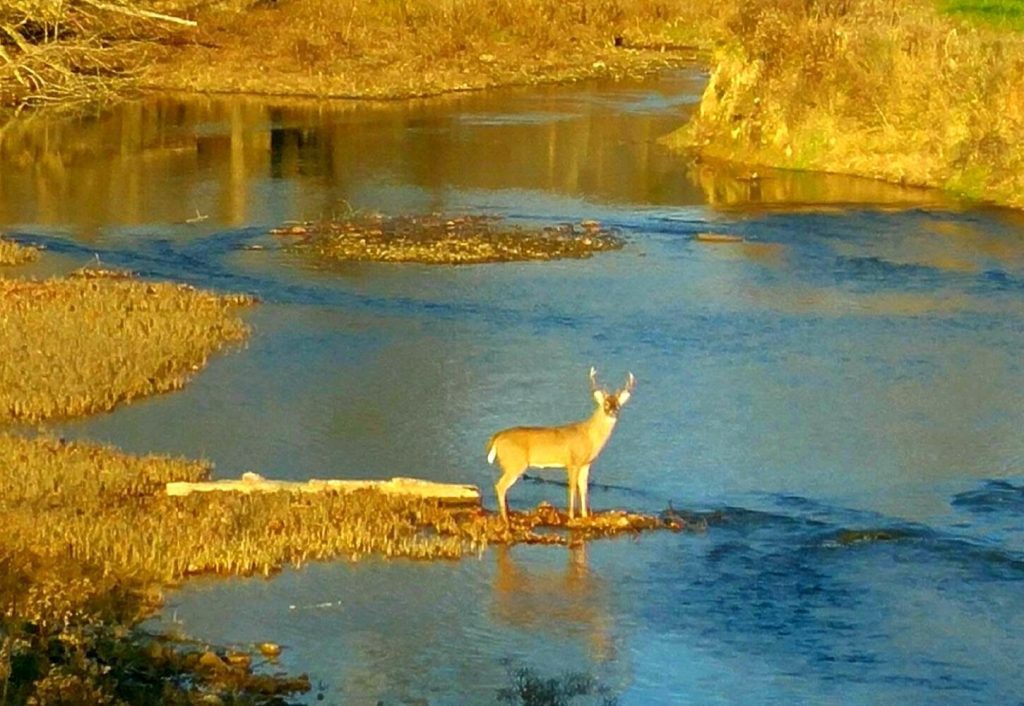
[12,253]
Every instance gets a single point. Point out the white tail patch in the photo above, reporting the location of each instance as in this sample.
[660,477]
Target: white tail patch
[492,453]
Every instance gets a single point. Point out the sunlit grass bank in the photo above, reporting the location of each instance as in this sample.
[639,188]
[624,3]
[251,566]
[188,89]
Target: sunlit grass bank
[897,91]
[90,538]
[83,344]
[52,51]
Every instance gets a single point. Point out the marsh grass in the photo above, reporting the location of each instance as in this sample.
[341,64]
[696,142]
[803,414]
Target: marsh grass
[101,508]
[83,344]
[90,537]
[443,240]
[12,253]
[895,91]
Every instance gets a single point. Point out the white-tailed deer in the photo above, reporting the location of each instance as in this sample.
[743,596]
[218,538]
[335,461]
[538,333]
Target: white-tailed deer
[571,446]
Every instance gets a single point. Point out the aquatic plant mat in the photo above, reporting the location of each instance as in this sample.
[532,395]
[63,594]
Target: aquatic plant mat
[87,342]
[442,240]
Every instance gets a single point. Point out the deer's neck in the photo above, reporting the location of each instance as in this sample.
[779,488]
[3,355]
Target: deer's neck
[599,427]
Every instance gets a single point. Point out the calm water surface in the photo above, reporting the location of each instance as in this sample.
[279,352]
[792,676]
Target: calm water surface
[841,395]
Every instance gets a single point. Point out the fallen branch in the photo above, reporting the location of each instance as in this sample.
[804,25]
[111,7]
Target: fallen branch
[134,12]
[448,493]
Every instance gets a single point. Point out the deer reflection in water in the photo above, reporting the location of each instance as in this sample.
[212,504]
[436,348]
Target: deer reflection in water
[570,600]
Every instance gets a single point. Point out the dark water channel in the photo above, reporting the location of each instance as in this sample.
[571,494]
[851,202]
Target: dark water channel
[842,394]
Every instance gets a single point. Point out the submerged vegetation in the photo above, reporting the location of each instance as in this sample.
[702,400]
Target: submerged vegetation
[528,688]
[82,344]
[895,91]
[440,240]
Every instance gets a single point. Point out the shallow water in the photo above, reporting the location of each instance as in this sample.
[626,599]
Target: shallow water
[841,396]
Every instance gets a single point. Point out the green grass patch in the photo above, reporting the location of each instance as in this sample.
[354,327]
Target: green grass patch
[1006,14]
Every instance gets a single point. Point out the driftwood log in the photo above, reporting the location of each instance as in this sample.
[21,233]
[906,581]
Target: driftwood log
[447,493]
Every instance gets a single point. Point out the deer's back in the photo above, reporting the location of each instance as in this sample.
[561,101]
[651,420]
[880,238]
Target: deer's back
[542,446]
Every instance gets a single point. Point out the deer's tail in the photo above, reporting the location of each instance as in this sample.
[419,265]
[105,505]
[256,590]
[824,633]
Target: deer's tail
[492,450]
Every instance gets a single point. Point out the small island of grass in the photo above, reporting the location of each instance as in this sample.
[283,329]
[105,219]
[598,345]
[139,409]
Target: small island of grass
[82,344]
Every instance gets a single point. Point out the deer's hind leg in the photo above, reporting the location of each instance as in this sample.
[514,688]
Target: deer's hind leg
[510,473]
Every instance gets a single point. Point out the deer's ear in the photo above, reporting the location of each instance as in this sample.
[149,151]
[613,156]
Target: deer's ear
[599,397]
[626,392]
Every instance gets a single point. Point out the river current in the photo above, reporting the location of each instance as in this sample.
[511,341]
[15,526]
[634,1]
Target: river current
[840,396]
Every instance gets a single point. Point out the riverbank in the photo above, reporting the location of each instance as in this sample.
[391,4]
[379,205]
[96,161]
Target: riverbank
[920,93]
[90,50]
[902,93]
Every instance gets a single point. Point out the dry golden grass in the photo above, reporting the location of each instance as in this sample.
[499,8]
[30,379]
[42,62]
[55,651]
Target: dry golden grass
[440,240]
[98,507]
[83,344]
[55,51]
[379,49]
[888,90]
[95,506]
[12,253]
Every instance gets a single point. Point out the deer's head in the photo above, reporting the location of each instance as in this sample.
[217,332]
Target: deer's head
[611,402]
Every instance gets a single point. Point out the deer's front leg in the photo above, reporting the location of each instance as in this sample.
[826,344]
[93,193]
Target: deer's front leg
[574,473]
[582,482]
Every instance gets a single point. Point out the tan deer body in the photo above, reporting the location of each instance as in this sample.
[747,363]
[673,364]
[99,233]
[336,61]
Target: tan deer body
[570,446]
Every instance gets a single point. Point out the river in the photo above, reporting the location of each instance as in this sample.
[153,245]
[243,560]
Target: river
[840,396]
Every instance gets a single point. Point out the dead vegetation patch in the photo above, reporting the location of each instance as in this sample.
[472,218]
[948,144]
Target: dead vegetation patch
[546,524]
[83,344]
[441,240]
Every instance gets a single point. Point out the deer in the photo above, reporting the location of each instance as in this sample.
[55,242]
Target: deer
[570,446]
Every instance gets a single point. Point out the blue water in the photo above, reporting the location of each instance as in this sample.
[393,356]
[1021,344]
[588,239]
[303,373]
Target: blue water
[839,398]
